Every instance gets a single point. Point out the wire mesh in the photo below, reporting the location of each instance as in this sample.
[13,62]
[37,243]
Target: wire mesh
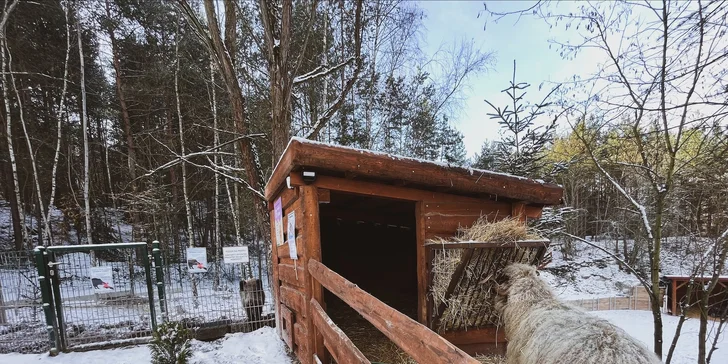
[220,298]
[96,310]
[22,328]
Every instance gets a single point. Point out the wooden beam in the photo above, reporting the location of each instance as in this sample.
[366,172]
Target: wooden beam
[324,157]
[476,336]
[324,195]
[422,274]
[274,261]
[358,215]
[341,348]
[466,245]
[421,343]
[674,297]
[382,190]
[311,233]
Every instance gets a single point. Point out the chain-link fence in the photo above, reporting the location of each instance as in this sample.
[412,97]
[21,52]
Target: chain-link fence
[21,318]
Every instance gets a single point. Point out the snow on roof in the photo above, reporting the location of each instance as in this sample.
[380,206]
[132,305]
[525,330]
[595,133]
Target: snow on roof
[302,152]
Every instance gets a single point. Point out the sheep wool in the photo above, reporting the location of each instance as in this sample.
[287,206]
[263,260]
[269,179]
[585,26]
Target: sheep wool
[541,329]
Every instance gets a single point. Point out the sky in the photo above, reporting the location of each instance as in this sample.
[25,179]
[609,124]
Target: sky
[526,41]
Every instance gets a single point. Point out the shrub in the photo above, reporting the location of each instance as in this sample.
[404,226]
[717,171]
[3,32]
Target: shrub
[171,344]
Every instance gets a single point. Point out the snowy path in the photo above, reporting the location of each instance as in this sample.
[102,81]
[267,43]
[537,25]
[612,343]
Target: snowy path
[259,347]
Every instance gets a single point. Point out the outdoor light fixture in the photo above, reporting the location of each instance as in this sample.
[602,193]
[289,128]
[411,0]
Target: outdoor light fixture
[309,177]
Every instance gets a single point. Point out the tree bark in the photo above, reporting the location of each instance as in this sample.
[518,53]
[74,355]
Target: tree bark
[84,130]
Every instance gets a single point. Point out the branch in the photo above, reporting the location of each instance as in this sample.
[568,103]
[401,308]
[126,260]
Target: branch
[320,71]
[321,122]
[644,282]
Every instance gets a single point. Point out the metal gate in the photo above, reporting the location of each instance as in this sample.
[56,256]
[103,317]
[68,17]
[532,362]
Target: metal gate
[96,295]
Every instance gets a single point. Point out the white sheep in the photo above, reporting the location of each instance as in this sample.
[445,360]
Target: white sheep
[541,329]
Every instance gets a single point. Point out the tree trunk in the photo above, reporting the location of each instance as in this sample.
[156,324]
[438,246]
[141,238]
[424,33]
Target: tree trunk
[84,130]
[216,142]
[125,118]
[185,193]
[60,115]
[18,213]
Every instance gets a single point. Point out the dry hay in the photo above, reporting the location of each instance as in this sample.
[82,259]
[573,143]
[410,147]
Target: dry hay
[490,359]
[471,304]
[371,342]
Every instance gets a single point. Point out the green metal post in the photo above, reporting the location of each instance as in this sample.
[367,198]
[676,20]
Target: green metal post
[46,297]
[55,281]
[159,275]
[146,258]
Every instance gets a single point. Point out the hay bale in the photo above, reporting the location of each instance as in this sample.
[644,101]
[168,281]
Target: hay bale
[490,359]
[471,304]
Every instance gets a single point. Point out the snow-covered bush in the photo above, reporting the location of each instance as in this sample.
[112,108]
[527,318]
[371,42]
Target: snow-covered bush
[171,344]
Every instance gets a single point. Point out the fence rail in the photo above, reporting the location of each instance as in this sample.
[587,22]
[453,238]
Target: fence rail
[421,343]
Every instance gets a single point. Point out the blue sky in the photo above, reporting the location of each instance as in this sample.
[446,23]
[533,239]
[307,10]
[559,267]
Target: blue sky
[525,41]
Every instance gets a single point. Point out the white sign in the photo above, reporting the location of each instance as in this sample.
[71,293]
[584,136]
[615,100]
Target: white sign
[102,279]
[278,214]
[197,260]
[292,235]
[235,254]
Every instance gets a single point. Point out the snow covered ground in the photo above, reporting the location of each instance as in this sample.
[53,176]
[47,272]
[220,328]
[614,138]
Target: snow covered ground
[259,347]
[639,325]
[265,347]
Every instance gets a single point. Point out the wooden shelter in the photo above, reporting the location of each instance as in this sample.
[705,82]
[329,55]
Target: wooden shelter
[361,222]
[677,290]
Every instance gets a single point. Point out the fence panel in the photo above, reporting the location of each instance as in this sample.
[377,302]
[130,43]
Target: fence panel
[22,329]
[106,302]
[223,299]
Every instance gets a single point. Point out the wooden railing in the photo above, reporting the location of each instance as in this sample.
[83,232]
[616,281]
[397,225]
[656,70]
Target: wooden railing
[421,343]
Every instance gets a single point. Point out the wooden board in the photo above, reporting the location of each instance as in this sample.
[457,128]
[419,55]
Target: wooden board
[422,272]
[423,345]
[287,326]
[287,274]
[294,299]
[392,169]
[311,233]
[340,346]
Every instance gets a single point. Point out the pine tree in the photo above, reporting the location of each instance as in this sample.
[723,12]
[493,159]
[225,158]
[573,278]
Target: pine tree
[521,148]
[486,159]
[171,344]
[451,141]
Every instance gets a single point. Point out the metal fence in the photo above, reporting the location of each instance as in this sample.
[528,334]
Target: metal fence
[21,318]
[85,297]
[224,299]
[104,292]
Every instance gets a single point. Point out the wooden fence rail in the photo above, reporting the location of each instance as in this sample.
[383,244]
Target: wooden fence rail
[421,343]
[339,345]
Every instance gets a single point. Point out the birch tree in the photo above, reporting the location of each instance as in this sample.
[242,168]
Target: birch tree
[19,215]
[84,130]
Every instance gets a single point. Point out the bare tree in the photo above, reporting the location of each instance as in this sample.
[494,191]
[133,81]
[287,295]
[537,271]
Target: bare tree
[84,130]
[657,80]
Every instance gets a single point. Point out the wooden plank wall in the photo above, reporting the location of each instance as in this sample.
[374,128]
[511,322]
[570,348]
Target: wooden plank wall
[293,285]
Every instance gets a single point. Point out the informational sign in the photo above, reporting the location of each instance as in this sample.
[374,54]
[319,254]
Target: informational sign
[102,279]
[197,260]
[278,215]
[235,254]
[292,235]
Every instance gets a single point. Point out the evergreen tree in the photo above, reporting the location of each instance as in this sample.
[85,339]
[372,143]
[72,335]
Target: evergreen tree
[171,344]
[521,148]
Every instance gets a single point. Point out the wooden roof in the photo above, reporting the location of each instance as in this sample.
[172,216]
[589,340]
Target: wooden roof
[391,169]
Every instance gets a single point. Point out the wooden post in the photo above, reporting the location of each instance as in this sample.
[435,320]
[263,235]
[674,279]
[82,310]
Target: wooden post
[311,233]
[674,297]
[420,225]
[274,260]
